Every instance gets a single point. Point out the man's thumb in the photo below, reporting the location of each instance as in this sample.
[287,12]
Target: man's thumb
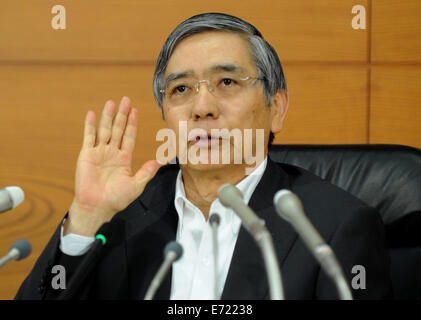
[146,173]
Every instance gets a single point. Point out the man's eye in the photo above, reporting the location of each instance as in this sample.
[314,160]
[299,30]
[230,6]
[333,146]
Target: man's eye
[227,82]
[179,89]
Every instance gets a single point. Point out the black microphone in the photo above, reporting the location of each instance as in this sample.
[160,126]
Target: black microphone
[87,264]
[230,196]
[10,197]
[214,221]
[172,252]
[290,208]
[18,251]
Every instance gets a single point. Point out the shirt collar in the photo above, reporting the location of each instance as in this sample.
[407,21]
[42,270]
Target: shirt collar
[246,186]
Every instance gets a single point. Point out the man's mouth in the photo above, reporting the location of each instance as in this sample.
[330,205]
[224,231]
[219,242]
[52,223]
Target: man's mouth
[205,140]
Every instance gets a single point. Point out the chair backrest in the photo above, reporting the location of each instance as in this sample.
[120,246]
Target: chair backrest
[386,177]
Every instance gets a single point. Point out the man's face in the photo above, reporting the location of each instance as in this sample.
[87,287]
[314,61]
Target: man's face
[203,56]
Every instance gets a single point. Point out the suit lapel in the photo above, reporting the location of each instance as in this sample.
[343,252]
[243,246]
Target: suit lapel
[247,278]
[167,229]
[153,223]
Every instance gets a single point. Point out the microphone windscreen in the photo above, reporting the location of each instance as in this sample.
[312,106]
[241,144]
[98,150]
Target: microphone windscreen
[175,247]
[24,248]
[290,208]
[214,219]
[226,192]
[288,205]
[16,194]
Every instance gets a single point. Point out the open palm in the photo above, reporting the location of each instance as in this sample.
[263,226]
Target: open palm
[104,183]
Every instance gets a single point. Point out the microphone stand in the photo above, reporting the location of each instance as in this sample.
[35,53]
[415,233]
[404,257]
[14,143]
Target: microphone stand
[86,266]
[172,252]
[290,208]
[264,240]
[325,256]
[231,196]
[214,222]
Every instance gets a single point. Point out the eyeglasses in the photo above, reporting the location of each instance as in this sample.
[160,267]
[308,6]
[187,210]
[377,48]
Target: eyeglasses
[222,85]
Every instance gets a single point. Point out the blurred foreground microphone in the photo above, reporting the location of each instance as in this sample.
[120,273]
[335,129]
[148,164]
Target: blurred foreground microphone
[10,197]
[87,265]
[290,208]
[18,251]
[231,197]
[172,252]
[214,221]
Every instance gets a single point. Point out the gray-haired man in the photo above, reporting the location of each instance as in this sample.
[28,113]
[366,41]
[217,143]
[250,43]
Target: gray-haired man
[215,71]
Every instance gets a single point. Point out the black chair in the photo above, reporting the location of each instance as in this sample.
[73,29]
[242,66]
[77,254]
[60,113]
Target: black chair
[386,177]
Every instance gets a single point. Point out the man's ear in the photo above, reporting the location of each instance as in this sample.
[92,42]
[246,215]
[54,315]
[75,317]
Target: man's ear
[279,110]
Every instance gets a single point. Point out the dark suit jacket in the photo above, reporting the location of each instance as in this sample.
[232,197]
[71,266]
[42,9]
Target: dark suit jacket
[138,235]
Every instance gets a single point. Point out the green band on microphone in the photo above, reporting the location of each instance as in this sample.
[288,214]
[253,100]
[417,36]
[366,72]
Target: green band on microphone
[102,238]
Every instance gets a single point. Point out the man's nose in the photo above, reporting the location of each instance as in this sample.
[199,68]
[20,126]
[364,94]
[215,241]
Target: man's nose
[205,104]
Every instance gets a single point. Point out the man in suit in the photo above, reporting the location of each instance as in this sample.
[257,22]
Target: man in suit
[215,71]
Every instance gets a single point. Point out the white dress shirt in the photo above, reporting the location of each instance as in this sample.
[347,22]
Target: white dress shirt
[193,274]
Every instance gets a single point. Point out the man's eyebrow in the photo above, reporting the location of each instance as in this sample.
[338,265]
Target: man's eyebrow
[178,75]
[230,67]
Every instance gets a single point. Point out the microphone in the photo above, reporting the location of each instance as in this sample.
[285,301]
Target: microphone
[230,196]
[214,221]
[18,251]
[10,197]
[290,208]
[88,263]
[172,252]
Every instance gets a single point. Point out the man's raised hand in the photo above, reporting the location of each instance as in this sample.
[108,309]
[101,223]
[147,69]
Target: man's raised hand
[104,182]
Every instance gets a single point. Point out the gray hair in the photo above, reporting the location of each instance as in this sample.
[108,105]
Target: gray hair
[267,61]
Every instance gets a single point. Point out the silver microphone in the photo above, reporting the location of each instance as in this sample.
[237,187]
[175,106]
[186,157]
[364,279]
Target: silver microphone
[10,197]
[290,208]
[214,221]
[230,196]
[172,252]
[18,251]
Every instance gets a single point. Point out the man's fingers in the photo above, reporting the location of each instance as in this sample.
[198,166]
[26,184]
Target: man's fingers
[120,121]
[129,138]
[89,134]
[106,122]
